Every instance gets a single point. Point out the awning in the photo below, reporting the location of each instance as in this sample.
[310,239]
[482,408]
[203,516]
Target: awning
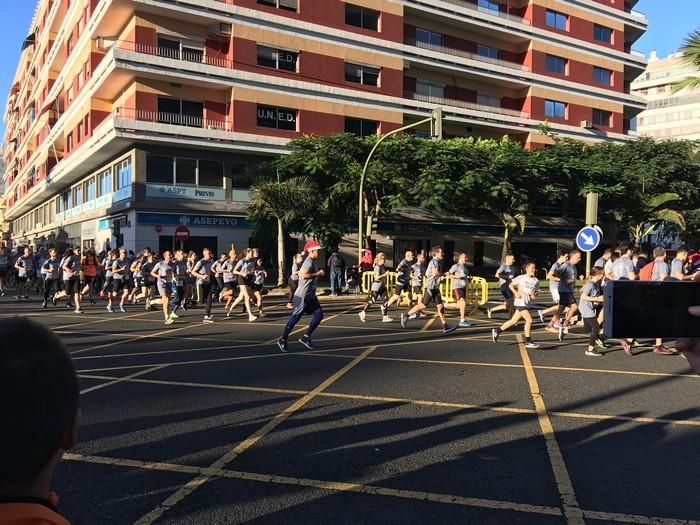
[14,88]
[47,106]
[29,41]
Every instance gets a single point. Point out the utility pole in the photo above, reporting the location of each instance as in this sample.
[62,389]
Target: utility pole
[591,220]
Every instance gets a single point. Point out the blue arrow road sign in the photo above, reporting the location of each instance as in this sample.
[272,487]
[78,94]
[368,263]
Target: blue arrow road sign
[588,239]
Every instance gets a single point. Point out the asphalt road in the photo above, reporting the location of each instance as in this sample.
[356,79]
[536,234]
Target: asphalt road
[210,424]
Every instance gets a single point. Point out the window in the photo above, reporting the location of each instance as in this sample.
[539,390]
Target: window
[289,5]
[171,48]
[556,20]
[553,109]
[277,58]
[69,142]
[123,178]
[429,89]
[361,17]
[488,5]
[77,195]
[488,52]
[602,34]
[90,190]
[369,76]
[555,64]
[428,37]
[602,76]
[80,132]
[280,118]
[601,117]
[211,173]
[186,171]
[159,169]
[486,99]
[360,127]
[104,182]
[180,112]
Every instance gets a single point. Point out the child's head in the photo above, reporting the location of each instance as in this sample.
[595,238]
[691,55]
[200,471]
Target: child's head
[509,259]
[597,274]
[38,400]
[421,258]
[530,268]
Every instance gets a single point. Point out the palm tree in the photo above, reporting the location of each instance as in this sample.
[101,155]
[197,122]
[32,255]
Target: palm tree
[654,212]
[691,56]
[285,201]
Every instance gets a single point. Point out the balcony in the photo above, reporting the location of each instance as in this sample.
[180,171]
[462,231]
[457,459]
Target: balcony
[175,54]
[474,7]
[440,101]
[173,119]
[465,54]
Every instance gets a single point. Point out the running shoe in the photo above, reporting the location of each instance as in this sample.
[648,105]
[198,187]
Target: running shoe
[464,323]
[422,315]
[447,329]
[560,334]
[18,298]
[251,318]
[488,313]
[531,344]
[109,309]
[363,315]
[148,304]
[626,346]
[2,294]
[593,353]
[69,305]
[403,320]
[78,311]
[122,309]
[599,342]
[662,350]
[208,319]
[541,314]
[383,310]
[262,314]
[306,341]
[290,306]
[282,345]
[494,335]
[387,319]
[43,304]
[169,320]
[174,315]
[557,325]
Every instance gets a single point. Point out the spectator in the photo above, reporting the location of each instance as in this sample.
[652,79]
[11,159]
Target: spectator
[367,262]
[336,267]
[39,396]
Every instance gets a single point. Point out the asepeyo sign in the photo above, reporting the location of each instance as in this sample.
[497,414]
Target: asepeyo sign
[161,191]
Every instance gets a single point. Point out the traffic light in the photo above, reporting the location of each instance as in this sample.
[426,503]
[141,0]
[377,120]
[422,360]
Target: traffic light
[371,225]
[436,124]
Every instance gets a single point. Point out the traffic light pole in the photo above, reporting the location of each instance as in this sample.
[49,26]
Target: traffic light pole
[436,131]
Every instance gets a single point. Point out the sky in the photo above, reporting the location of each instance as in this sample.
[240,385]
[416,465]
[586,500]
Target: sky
[669,23]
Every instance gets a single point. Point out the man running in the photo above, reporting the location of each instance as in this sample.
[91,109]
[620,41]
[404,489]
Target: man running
[460,276]
[505,274]
[89,265]
[678,265]
[432,293]
[568,274]
[305,300]
[245,273]
[525,289]
[202,271]
[71,278]
[378,290]
[553,277]
[163,273]
[403,280]
[119,287]
[25,271]
[603,259]
[4,267]
[50,270]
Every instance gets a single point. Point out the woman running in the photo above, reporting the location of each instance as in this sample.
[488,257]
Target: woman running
[378,290]
[229,282]
[460,276]
[89,265]
[524,289]
[505,275]
[120,286]
[71,279]
[163,273]
[245,271]
[258,286]
[25,271]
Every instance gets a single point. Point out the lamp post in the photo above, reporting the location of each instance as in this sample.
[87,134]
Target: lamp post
[435,121]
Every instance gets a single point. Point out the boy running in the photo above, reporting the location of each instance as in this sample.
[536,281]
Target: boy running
[50,271]
[432,293]
[460,276]
[163,273]
[524,289]
[202,271]
[294,278]
[591,302]
[553,277]
[505,274]
[417,275]
[378,291]
[567,284]
[119,288]
[403,280]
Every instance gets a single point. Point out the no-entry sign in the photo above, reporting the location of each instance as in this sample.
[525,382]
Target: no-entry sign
[182,233]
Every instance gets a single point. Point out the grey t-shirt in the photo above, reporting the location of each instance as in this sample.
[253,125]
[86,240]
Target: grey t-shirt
[404,271]
[117,264]
[588,308]
[50,268]
[567,272]
[676,266]
[460,272]
[307,287]
[432,274]
[600,263]
[660,271]
[165,272]
[295,271]
[508,271]
[622,267]
[554,285]
[73,264]
[227,270]
[526,286]
[417,273]
[203,266]
[26,265]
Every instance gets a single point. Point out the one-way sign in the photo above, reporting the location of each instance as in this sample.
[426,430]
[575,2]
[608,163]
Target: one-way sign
[588,239]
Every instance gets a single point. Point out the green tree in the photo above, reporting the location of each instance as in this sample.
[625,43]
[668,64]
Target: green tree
[691,56]
[653,212]
[284,201]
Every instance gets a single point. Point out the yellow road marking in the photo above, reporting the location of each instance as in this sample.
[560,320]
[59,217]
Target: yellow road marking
[572,511]
[428,324]
[251,440]
[122,379]
[136,338]
[101,320]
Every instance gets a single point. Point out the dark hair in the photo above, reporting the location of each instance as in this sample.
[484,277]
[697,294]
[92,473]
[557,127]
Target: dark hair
[562,253]
[68,252]
[608,251]
[38,398]
[624,248]
[596,271]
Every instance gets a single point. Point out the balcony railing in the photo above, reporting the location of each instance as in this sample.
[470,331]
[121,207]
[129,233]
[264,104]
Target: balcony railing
[440,101]
[173,119]
[474,7]
[465,54]
[639,16]
[176,54]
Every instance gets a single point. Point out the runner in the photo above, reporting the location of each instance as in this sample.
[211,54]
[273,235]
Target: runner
[163,273]
[107,268]
[678,266]
[591,301]
[120,286]
[378,291]
[659,272]
[417,275]
[603,259]
[432,292]
[305,300]
[180,274]
[89,265]
[190,281]
[50,270]
[568,274]
[623,267]
[460,276]
[148,282]
[524,289]
[258,286]
[217,269]
[202,271]
[4,267]
[403,280]
[24,264]
[245,272]
[229,282]
[505,274]
[553,277]
[293,281]
[71,278]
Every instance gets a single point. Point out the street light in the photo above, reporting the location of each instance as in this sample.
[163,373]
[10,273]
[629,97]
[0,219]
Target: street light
[435,121]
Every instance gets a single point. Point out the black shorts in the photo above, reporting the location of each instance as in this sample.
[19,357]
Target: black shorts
[256,287]
[566,298]
[71,286]
[521,308]
[401,287]
[21,279]
[3,273]
[88,279]
[459,293]
[118,285]
[505,291]
[229,285]
[432,295]
[417,291]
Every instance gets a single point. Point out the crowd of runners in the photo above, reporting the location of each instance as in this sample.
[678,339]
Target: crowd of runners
[176,280]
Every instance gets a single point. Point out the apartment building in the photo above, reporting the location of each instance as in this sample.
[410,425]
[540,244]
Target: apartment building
[138,118]
[668,115]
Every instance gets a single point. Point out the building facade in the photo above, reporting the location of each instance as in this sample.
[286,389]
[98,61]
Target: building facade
[134,118]
[668,115]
